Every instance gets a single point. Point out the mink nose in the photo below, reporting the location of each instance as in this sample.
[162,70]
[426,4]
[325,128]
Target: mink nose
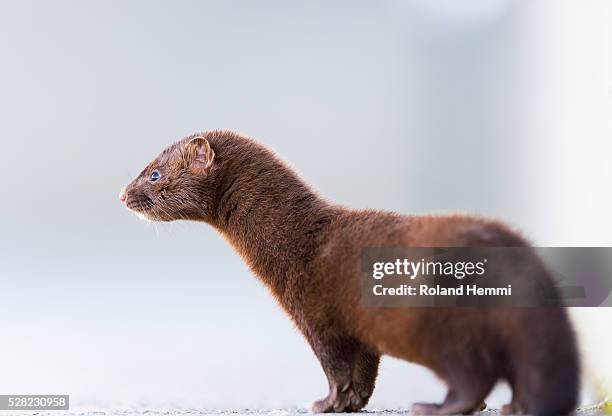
[123,195]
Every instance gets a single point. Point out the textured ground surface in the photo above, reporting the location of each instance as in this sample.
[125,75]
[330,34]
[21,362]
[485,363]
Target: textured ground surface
[594,411]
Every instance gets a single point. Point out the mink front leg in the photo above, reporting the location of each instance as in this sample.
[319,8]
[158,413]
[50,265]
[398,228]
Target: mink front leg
[351,370]
[365,372]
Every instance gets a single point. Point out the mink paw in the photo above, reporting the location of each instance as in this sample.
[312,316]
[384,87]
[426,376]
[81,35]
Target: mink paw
[425,409]
[441,409]
[511,409]
[365,391]
[338,401]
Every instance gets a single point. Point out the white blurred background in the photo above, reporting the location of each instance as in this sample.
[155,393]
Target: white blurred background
[496,107]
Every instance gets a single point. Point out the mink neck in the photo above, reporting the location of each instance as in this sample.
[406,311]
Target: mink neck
[273,219]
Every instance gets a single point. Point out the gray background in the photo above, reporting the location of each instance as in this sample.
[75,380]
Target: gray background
[494,107]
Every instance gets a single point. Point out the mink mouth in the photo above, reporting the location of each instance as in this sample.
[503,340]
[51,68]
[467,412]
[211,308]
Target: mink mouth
[140,204]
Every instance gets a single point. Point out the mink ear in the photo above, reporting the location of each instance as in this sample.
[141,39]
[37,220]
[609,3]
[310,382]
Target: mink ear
[199,153]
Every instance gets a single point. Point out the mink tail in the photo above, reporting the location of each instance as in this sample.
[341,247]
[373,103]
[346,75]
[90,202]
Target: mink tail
[546,379]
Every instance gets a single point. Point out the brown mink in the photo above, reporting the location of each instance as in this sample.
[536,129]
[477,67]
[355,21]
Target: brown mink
[307,251]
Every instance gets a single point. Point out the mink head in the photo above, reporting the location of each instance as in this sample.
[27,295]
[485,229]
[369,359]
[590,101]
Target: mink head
[178,184]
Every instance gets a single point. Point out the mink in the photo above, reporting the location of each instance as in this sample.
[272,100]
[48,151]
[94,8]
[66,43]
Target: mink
[307,251]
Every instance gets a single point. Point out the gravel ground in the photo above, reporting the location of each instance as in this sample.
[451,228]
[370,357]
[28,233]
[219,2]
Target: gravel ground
[592,411]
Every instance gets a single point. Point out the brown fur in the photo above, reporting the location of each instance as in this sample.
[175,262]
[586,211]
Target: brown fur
[307,251]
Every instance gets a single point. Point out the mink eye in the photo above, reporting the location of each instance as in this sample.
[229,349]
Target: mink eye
[155,175]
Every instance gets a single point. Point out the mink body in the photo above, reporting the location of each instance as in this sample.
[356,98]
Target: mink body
[307,251]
